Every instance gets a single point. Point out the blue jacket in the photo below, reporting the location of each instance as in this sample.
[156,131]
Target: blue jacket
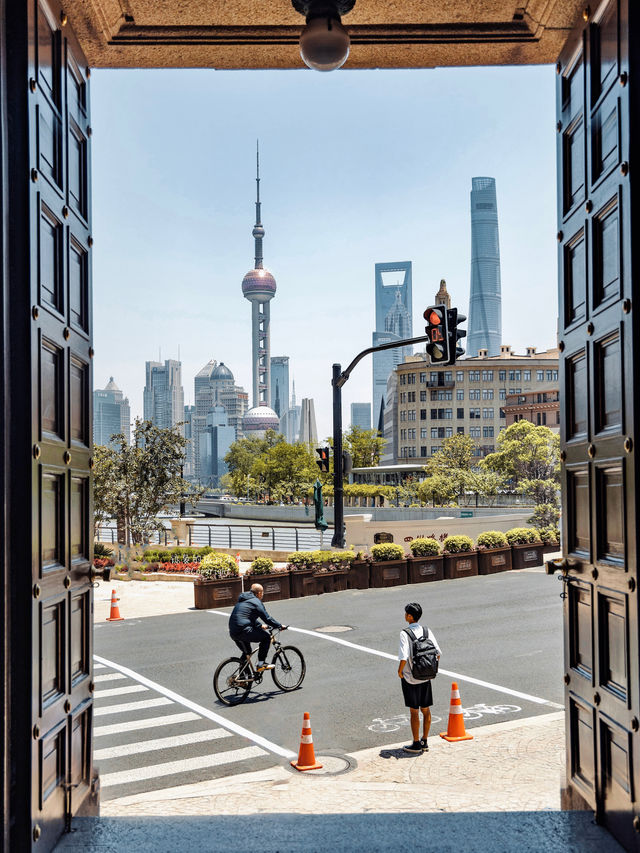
[247,612]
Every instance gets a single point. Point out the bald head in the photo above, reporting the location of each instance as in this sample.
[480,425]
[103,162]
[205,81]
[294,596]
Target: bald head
[257,589]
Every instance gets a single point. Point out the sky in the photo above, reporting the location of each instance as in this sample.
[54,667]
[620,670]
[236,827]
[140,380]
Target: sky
[357,167]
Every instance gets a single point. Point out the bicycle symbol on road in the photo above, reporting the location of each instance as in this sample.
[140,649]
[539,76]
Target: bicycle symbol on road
[474,712]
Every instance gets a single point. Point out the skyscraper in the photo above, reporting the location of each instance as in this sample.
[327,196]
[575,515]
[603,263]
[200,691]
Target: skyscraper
[361,415]
[280,384]
[290,421]
[308,429]
[259,287]
[394,305]
[485,298]
[163,398]
[111,414]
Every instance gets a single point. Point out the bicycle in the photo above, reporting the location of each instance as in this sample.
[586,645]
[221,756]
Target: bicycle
[234,676]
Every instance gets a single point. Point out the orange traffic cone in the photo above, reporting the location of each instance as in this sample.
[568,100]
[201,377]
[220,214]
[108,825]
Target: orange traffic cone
[306,756]
[114,615]
[455,729]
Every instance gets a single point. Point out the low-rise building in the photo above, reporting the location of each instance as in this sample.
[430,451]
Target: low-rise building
[541,408]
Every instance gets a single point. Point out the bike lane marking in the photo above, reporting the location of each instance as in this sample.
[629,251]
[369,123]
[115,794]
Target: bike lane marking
[199,709]
[455,675]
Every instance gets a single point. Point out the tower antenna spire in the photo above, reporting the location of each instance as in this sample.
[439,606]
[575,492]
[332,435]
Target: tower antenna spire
[258,230]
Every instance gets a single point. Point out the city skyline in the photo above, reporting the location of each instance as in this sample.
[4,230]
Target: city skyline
[176,212]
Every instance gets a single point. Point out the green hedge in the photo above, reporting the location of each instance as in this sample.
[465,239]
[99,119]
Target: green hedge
[217,565]
[387,551]
[261,566]
[522,536]
[455,544]
[424,547]
[492,539]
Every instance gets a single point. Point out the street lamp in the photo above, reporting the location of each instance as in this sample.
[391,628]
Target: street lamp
[324,42]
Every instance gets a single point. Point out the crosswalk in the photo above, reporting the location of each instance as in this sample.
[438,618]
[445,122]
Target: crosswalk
[150,742]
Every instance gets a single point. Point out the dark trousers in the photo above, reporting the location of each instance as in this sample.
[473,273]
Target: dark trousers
[253,635]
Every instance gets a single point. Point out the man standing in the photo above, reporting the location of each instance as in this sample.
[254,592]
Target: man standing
[245,627]
[417,693]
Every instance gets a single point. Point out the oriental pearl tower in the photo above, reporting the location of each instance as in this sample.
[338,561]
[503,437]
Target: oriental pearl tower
[259,287]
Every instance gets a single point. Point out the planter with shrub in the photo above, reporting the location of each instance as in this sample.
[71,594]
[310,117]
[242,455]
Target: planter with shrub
[388,565]
[218,583]
[550,539]
[460,558]
[316,572]
[526,547]
[276,583]
[426,562]
[301,580]
[494,552]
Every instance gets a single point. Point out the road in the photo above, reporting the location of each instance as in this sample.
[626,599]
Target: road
[158,723]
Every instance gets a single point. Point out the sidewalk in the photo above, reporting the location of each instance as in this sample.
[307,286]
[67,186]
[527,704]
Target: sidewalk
[499,791]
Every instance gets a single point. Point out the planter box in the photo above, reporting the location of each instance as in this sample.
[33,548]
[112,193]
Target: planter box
[358,577]
[388,573]
[492,560]
[462,565]
[277,586]
[330,581]
[302,583]
[526,556]
[551,548]
[422,569]
[223,592]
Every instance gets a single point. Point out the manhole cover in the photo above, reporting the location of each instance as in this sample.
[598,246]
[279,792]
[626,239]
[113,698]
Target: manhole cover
[332,765]
[333,629]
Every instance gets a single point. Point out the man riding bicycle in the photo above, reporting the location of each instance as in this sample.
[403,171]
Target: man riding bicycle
[245,626]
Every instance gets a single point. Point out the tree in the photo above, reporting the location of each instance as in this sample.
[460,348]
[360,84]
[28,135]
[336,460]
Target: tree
[243,455]
[453,462]
[438,489]
[135,483]
[364,445]
[525,452]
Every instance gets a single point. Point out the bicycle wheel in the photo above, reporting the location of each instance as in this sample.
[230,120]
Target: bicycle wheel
[290,668]
[228,682]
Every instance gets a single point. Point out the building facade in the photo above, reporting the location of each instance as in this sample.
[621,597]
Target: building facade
[361,415]
[485,298]
[163,398]
[308,430]
[214,441]
[468,398]
[280,384]
[541,408]
[111,414]
[394,305]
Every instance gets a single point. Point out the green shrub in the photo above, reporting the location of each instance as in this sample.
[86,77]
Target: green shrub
[387,551]
[150,556]
[164,556]
[101,550]
[216,565]
[492,539]
[550,535]
[261,566]
[332,558]
[424,547]
[522,536]
[455,544]
[299,560]
[202,552]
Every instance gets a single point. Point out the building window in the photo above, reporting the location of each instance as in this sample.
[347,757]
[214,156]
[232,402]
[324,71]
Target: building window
[502,414]
[487,413]
[487,375]
[423,377]
[555,375]
[460,430]
[474,394]
[411,397]
[487,394]
[423,450]
[540,375]
[460,414]
[403,415]
[527,376]
[541,418]
[435,449]
[423,414]
[474,376]
[433,377]
[403,396]
[434,414]
[474,413]
[448,432]
[474,432]
[502,393]
[448,413]
[423,396]
[434,432]
[445,395]
[459,375]
[514,376]
[403,378]
[411,416]
[487,432]
[411,434]
[448,376]
[423,432]
[459,393]
[434,395]
[411,379]
[502,375]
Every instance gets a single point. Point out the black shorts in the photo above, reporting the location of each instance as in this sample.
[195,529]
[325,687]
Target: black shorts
[417,695]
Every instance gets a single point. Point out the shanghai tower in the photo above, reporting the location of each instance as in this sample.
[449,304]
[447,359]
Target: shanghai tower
[485,298]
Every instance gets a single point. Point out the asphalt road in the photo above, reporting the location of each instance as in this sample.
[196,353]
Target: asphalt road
[505,630]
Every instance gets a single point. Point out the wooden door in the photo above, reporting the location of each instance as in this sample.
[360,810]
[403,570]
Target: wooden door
[60,351]
[598,376]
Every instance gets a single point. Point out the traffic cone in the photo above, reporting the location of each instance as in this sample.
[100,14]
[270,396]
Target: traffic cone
[306,756]
[455,730]
[114,615]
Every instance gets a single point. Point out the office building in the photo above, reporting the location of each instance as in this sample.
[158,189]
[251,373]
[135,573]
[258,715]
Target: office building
[394,304]
[290,420]
[111,414]
[308,430]
[163,398]
[280,384]
[215,440]
[485,298]
[259,287]
[541,408]
[468,398]
[189,463]
[361,415]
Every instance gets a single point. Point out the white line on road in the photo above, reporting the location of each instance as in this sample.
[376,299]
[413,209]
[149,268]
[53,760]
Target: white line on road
[111,676]
[456,675]
[149,722]
[169,768]
[199,709]
[161,743]
[121,691]
[130,706]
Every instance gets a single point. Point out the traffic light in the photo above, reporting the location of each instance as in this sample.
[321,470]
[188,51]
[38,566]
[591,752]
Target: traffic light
[323,462]
[347,462]
[437,332]
[453,318]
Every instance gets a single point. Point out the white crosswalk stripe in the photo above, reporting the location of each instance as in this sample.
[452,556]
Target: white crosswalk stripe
[131,706]
[109,676]
[160,743]
[148,723]
[121,691]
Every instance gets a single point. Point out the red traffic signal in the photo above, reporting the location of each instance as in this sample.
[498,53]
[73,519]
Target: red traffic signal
[323,461]
[437,332]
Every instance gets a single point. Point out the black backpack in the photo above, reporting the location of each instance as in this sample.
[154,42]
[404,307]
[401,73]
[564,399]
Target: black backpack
[424,656]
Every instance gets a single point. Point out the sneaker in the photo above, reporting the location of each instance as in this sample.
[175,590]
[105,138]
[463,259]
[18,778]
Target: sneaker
[264,666]
[416,746]
[424,744]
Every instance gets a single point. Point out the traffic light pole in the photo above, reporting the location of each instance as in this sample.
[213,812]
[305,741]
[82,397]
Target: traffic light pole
[338,380]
